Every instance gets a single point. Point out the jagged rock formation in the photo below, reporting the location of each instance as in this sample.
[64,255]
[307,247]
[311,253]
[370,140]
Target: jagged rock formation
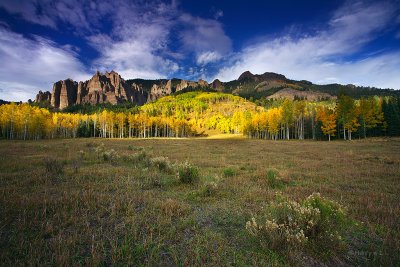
[167,87]
[43,96]
[107,88]
[111,88]
[64,94]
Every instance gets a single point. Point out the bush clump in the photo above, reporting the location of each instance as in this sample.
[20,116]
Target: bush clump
[188,173]
[162,163]
[110,155]
[228,172]
[292,225]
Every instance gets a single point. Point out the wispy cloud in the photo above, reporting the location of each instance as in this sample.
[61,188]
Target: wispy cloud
[144,39]
[205,38]
[321,56]
[34,64]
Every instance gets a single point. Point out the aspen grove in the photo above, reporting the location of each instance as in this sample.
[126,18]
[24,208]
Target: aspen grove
[195,113]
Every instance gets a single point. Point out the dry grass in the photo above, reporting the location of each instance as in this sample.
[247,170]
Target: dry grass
[117,212]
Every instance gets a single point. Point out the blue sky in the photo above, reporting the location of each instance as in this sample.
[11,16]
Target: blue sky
[336,41]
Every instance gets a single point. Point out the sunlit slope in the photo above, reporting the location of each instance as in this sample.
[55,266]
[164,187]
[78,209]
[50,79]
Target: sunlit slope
[208,112]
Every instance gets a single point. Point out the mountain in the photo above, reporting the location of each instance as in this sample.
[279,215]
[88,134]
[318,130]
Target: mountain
[111,88]
[265,85]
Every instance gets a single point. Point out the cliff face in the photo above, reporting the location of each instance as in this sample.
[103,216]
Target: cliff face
[111,88]
[107,88]
[101,88]
[64,94]
[167,87]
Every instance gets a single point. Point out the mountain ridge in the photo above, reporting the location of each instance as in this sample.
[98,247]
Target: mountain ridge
[111,88]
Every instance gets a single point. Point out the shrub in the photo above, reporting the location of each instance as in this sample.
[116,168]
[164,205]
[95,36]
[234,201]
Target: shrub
[228,172]
[140,158]
[53,166]
[162,163]
[110,155]
[291,225]
[331,218]
[188,173]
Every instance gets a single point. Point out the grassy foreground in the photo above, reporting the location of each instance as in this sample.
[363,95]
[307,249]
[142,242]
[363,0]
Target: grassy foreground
[109,211]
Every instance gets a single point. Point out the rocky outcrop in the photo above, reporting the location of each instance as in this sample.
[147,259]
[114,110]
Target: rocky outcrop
[111,88]
[64,94]
[167,87]
[101,88]
[107,88]
[43,96]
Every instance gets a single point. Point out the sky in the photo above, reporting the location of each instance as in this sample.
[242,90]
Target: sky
[328,41]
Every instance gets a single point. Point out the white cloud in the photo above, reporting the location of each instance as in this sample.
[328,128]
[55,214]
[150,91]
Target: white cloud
[143,39]
[140,46]
[204,37]
[83,15]
[33,65]
[208,57]
[320,57]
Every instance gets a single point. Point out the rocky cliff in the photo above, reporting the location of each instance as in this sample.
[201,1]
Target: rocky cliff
[111,88]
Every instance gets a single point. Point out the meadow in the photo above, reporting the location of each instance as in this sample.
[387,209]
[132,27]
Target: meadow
[102,202]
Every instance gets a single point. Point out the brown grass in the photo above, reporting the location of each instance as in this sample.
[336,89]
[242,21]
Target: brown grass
[107,213]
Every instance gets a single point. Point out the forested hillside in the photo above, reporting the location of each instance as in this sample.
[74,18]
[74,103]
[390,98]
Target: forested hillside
[198,113]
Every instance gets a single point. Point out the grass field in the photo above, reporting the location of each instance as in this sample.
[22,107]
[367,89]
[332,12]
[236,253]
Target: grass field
[87,202]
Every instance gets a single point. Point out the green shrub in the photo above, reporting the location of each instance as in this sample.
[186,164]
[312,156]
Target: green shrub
[188,173]
[291,225]
[228,172]
[162,163]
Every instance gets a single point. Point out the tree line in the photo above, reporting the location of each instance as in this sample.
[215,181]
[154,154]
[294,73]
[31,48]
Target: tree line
[193,113]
